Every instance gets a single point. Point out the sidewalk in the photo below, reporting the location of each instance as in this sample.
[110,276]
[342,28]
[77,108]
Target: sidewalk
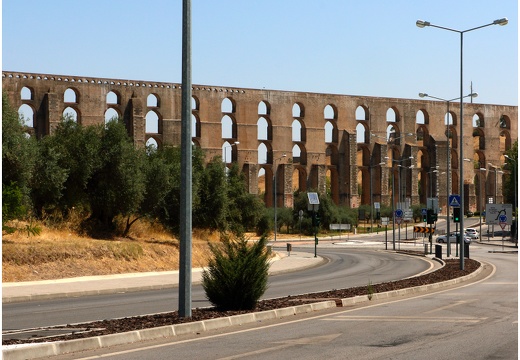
[106,284]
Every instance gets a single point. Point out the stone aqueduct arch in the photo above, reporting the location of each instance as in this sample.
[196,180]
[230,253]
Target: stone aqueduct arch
[332,142]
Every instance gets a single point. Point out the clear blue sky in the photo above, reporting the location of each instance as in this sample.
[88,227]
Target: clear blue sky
[368,47]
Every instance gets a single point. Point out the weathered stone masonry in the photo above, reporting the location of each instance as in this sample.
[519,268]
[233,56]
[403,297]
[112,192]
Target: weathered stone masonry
[342,158]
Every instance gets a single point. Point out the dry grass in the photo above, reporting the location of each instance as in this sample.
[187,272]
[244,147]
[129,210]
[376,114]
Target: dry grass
[62,252]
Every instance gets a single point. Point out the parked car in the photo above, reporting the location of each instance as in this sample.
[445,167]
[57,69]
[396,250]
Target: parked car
[454,238]
[472,233]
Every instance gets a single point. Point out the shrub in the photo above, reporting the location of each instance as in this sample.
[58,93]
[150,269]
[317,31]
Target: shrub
[236,276]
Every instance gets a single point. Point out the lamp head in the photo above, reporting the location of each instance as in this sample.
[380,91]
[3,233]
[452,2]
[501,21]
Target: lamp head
[422,23]
[423,95]
[500,22]
[473,95]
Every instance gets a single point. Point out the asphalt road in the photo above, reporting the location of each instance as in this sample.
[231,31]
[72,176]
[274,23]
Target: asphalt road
[475,321]
[345,267]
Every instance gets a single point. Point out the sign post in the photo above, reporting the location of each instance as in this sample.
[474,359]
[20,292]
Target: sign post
[454,202]
[398,218]
[499,214]
[314,205]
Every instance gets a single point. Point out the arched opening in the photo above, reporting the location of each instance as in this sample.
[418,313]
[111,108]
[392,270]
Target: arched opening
[297,131]
[297,110]
[152,122]
[227,127]
[263,154]
[113,98]
[330,112]
[195,103]
[362,134]
[262,129]
[111,114]
[361,113]
[26,93]
[26,115]
[70,113]
[70,96]
[264,108]
[227,106]
[152,101]
[421,117]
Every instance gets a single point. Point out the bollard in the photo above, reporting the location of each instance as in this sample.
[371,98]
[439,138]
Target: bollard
[438,251]
[289,248]
[425,249]
[466,250]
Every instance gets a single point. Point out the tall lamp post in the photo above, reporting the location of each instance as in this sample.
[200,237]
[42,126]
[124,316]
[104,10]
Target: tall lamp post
[422,24]
[393,186]
[514,199]
[370,167]
[495,169]
[404,196]
[275,197]
[448,154]
[399,198]
[482,199]
[225,148]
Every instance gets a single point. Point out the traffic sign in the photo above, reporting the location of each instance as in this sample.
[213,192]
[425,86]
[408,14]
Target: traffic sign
[454,200]
[424,211]
[399,213]
[497,212]
[423,229]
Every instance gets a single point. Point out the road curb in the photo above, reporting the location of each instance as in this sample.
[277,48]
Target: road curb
[34,351]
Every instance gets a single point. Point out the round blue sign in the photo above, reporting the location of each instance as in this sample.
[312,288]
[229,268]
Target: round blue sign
[399,213]
[502,218]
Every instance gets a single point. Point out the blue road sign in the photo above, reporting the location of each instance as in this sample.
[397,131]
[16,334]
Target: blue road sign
[424,211]
[454,200]
[399,213]
[502,218]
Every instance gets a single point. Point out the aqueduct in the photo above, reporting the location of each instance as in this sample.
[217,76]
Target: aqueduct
[357,148]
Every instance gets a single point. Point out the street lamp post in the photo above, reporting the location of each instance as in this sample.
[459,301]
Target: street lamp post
[482,199]
[422,24]
[393,186]
[370,167]
[448,154]
[399,197]
[430,178]
[514,199]
[404,195]
[495,169]
[275,197]
[225,152]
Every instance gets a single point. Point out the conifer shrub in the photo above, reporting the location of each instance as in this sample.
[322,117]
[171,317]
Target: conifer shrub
[236,276]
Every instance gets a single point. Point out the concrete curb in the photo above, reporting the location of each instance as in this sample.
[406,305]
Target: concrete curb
[33,351]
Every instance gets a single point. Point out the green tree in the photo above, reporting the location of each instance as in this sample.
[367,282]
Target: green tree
[244,209]
[118,186]
[12,205]
[49,177]
[18,153]
[237,274]
[80,150]
[212,193]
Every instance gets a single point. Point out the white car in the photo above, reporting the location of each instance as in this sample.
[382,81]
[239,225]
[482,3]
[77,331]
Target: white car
[472,233]
[453,238]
